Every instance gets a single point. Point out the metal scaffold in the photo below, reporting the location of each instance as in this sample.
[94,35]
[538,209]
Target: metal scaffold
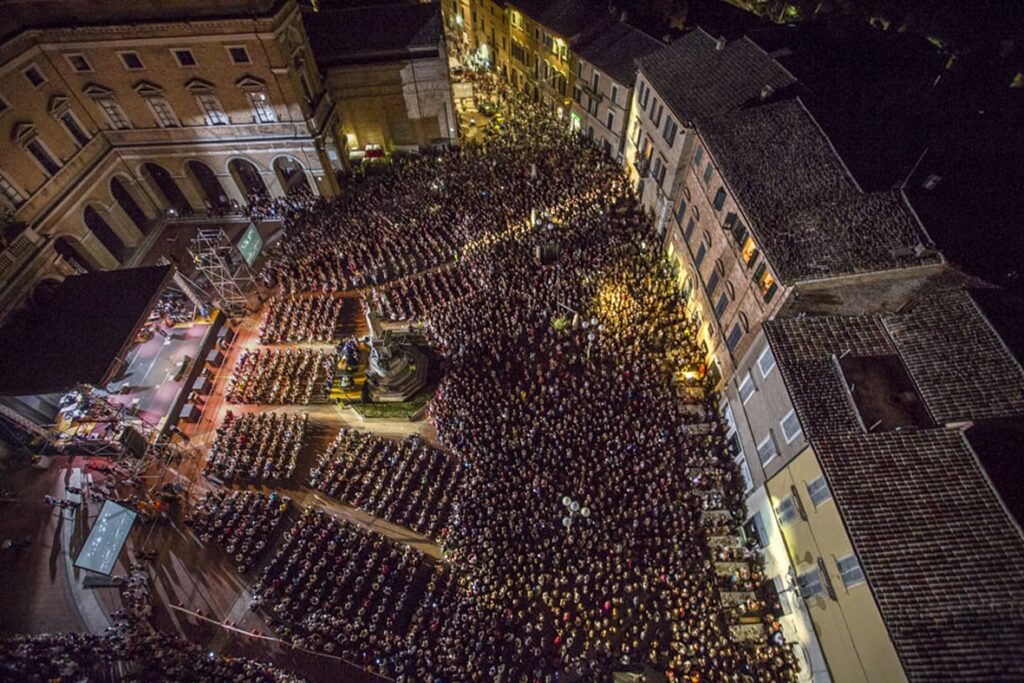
[225,270]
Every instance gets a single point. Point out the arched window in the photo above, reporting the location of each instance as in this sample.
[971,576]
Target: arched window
[719,199]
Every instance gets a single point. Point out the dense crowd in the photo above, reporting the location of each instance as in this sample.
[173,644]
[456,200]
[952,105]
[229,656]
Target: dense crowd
[130,648]
[296,319]
[256,446]
[596,523]
[270,376]
[337,588]
[413,297]
[404,482]
[241,522]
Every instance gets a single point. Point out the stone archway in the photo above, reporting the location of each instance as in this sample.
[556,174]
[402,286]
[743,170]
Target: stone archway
[247,177]
[128,204]
[72,251]
[167,188]
[98,225]
[291,175]
[208,183]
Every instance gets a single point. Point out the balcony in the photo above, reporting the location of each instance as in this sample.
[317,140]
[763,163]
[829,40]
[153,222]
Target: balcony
[643,167]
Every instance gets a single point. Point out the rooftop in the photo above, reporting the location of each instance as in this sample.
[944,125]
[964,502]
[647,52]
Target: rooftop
[615,51]
[79,335]
[698,80]
[566,18]
[811,219]
[380,32]
[943,559]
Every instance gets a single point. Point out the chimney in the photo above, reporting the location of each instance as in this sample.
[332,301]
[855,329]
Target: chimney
[767,91]
[720,44]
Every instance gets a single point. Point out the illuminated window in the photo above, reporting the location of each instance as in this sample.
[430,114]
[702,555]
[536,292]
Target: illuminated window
[261,107]
[749,251]
[212,110]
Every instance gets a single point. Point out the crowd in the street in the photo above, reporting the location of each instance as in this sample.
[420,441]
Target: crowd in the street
[298,319]
[413,297]
[256,446]
[404,482]
[290,376]
[582,534]
[241,522]
[132,647]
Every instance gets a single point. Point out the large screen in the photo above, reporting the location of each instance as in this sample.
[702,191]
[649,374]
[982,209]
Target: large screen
[106,538]
[250,245]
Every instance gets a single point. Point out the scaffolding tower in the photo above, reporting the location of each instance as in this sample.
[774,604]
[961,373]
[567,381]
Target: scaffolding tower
[225,269]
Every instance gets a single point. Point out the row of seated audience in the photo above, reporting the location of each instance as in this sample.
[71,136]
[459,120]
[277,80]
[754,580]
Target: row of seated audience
[256,446]
[334,587]
[301,319]
[413,297]
[271,376]
[240,521]
[404,482]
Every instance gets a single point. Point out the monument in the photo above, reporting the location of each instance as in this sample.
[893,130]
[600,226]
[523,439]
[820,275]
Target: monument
[396,371]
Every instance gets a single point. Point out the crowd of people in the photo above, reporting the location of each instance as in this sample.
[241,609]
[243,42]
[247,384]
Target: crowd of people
[289,376]
[404,482]
[241,522]
[581,534]
[337,588]
[132,646]
[297,319]
[413,297]
[258,446]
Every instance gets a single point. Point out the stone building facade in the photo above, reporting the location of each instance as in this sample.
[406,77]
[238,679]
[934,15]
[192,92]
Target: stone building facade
[112,126]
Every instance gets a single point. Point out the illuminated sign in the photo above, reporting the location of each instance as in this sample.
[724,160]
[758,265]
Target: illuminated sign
[250,245]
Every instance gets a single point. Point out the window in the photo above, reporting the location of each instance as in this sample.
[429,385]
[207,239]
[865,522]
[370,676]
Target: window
[748,483]
[34,76]
[212,110]
[74,129]
[115,115]
[766,361]
[680,211]
[656,111]
[690,225]
[850,571]
[735,334]
[766,450]
[615,94]
[611,120]
[644,94]
[701,253]
[818,491]
[786,511]
[131,60]
[596,86]
[239,55]
[185,57]
[790,426]
[698,157]
[719,198]
[670,131]
[165,116]
[11,193]
[261,107]
[723,302]
[780,591]
[78,62]
[707,173]
[40,153]
[712,283]
[810,584]
[747,389]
